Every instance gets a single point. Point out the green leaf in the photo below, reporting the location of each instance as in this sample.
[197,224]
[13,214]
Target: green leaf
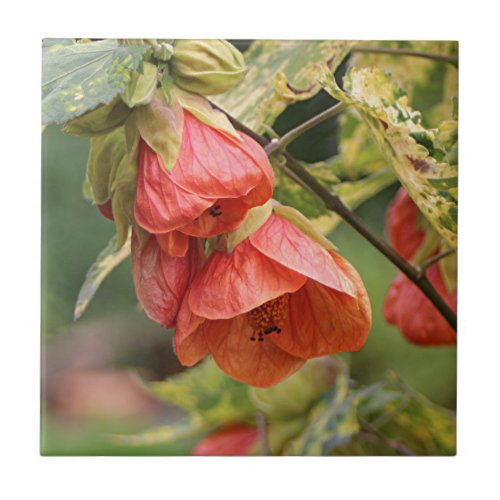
[431,85]
[332,426]
[296,395]
[409,418]
[281,72]
[183,429]
[79,77]
[413,151]
[207,393]
[106,261]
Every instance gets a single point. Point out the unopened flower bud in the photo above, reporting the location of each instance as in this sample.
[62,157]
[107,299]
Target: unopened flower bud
[207,67]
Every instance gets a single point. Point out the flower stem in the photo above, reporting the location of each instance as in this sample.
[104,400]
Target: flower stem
[291,135]
[407,52]
[333,202]
[262,427]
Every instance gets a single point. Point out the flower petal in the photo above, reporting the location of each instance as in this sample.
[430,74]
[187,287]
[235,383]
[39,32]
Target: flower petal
[231,284]
[189,343]
[261,364]
[160,204]
[402,222]
[161,280]
[322,321]
[174,243]
[414,314]
[283,242]
[212,165]
[209,223]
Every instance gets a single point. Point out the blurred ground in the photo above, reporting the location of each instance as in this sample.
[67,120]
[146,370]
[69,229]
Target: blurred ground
[91,369]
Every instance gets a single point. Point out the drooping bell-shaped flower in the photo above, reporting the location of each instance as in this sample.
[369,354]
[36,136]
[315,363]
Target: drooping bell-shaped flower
[405,305]
[277,299]
[213,179]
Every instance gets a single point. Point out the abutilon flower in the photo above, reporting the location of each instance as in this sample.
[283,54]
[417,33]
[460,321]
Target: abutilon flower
[405,305]
[162,269]
[215,180]
[277,299]
[234,440]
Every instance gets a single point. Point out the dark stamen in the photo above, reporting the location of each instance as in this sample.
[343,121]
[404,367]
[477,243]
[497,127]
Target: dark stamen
[216,207]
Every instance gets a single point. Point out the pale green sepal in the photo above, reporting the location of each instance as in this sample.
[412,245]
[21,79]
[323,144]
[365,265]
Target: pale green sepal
[99,121]
[142,86]
[256,217]
[203,110]
[304,224]
[161,125]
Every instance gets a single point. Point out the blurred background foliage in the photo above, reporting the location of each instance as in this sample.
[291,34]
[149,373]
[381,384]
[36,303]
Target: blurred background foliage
[93,370]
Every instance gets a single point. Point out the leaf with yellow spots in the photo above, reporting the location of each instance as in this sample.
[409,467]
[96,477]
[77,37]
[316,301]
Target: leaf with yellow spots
[281,72]
[422,162]
[208,393]
[78,77]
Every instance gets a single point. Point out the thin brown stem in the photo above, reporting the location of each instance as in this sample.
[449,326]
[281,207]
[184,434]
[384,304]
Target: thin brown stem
[333,202]
[432,260]
[262,428]
[407,52]
[291,135]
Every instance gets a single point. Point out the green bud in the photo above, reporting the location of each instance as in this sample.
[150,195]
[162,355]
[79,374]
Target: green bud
[207,67]
[99,121]
[296,395]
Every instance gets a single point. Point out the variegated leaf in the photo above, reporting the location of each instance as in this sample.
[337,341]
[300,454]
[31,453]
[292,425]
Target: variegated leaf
[422,165]
[281,72]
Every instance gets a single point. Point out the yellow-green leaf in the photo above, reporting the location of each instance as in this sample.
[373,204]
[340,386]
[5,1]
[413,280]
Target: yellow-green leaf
[207,392]
[280,72]
[413,151]
[106,261]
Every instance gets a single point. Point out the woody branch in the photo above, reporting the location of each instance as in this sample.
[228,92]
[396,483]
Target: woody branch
[333,202]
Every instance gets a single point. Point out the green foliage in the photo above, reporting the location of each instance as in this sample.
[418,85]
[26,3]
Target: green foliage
[281,72]
[78,77]
[106,261]
[389,418]
[397,413]
[208,393]
[414,152]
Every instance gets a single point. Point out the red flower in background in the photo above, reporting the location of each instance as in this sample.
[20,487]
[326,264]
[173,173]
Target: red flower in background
[278,299]
[232,441]
[162,270]
[214,182]
[405,305]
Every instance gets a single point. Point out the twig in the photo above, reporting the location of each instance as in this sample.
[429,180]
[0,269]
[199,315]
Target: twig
[333,202]
[407,52]
[432,260]
[262,427]
[291,135]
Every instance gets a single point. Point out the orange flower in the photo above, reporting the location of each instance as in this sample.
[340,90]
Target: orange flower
[214,182]
[405,305]
[278,299]
[414,314]
[232,441]
[403,229]
[162,270]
